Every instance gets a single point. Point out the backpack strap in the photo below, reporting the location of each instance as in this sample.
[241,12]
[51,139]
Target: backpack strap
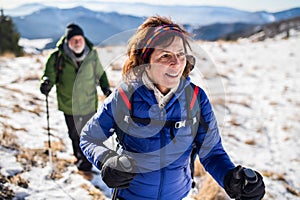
[192,113]
[59,64]
[125,110]
[193,107]
[196,98]
[97,80]
[123,113]
[194,117]
[124,98]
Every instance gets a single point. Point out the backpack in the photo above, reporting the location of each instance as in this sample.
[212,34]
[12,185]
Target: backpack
[193,116]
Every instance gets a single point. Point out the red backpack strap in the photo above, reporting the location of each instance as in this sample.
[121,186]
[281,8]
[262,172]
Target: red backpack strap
[194,98]
[197,98]
[125,98]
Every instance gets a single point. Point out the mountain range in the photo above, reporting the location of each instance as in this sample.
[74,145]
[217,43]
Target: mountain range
[113,24]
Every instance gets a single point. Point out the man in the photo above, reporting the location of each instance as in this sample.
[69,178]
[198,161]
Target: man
[75,69]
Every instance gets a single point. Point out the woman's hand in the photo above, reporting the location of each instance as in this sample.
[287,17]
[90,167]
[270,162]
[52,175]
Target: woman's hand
[244,184]
[117,171]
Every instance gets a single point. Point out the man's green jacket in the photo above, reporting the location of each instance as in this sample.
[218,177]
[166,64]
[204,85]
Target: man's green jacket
[76,86]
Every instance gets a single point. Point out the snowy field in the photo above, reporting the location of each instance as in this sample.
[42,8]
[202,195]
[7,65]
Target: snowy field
[254,87]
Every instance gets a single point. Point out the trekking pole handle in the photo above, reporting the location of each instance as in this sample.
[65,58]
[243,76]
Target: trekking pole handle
[250,176]
[125,163]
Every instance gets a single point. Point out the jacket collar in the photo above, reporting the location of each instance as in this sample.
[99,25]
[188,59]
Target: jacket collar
[148,95]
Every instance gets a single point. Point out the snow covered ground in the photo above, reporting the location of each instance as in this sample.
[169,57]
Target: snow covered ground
[254,87]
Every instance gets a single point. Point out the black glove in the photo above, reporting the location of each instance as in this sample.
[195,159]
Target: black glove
[117,170]
[245,184]
[45,86]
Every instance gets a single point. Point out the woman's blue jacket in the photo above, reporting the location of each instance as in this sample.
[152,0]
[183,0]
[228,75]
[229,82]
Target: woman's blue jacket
[162,160]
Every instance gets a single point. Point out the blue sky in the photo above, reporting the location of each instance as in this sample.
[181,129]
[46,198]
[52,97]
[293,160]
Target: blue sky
[250,5]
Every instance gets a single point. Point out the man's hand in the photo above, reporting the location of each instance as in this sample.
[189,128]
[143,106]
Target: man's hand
[45,86]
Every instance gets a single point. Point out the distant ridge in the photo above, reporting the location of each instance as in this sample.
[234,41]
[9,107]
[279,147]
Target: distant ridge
[206,22]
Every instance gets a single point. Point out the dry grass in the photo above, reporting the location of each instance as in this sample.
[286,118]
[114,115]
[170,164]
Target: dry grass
[286,127]
[17,108]
[261,129]
[280,177]
[116,67]
[12,90]
[250,142]
[8,139]
[245,103]
[5,192]
[218,101]
[292,190]
[32,77]
[8,55]
[94,192]
[209,189]
[29,158]
[59,167]
[31,103]
[56,145]
[4,116]
[19,181]
[234,122]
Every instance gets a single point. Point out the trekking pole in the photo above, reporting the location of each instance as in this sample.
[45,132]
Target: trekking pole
[126,166]
[114,197]
[49,138]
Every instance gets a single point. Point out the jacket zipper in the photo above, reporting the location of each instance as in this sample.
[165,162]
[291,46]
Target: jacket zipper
[162,178]
[162,163]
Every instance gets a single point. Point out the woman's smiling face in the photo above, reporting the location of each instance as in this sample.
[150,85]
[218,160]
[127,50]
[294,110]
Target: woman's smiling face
[167,65]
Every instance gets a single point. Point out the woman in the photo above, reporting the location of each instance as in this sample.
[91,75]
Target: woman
[159,117]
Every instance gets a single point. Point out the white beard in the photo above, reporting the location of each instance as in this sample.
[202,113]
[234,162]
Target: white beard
[77,49]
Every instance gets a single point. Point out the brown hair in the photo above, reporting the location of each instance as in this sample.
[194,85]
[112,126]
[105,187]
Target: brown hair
[136,61]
